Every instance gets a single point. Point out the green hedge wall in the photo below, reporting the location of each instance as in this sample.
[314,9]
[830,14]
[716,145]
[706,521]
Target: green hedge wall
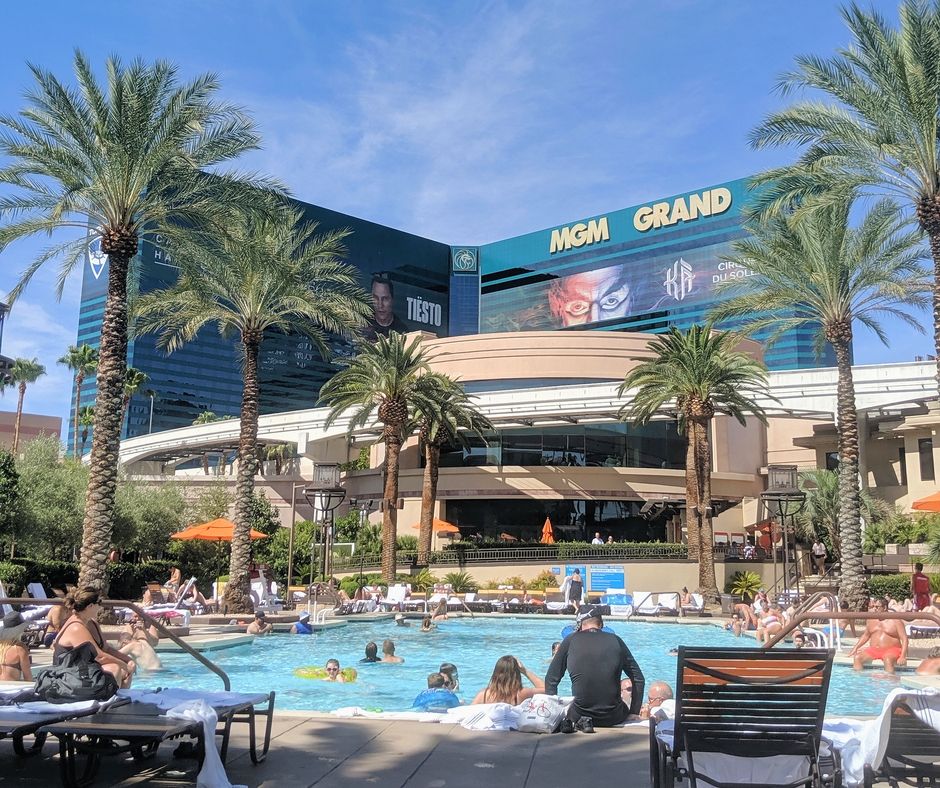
[896,586]
[13,577]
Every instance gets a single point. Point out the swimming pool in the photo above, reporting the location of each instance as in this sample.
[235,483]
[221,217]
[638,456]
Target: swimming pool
[473,645]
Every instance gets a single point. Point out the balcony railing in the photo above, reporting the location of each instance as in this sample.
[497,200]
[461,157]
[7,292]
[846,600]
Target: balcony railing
[553,553]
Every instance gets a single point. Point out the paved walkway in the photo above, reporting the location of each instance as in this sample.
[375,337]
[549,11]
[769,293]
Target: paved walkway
[334,753]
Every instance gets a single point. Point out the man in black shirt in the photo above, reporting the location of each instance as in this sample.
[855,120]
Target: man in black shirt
[595,660]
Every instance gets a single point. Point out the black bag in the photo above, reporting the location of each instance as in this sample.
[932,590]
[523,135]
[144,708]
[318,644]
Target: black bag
[75,676]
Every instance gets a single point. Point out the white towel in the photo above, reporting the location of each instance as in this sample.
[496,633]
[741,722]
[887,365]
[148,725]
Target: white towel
[174,696]
[486,717]
[212,774]
[41,707]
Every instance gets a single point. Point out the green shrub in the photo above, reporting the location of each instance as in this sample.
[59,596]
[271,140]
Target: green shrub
[351,584]
[544,580]
[127,581]
[407,544]
[52,574]
[744,584]
[421,581]
[515,581]
[461,582]
[895,586]
[14,578]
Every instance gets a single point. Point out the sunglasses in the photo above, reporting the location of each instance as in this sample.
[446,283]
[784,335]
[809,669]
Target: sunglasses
[332,670]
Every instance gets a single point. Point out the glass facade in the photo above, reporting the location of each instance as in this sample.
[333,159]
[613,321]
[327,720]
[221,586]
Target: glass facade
[656,445]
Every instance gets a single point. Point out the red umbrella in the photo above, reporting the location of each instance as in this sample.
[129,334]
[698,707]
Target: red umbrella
[929,504]
[548,535]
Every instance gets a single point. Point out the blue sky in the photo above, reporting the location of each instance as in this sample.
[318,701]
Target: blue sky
[467,122]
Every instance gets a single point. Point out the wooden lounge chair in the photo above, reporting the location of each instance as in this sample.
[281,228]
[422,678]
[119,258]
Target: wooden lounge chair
[747,703]
[912,753]
[139,728]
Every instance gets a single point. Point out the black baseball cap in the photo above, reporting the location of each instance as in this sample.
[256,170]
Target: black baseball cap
[591,611]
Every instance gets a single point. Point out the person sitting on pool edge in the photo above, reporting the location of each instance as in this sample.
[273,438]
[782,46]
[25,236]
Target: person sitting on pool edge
[930,665]
[437,697]
[886,639]
[334,672]
[372,653]
[259,626]
[506,683]
[302,625]
[388,652]
[139,650]
[659,692]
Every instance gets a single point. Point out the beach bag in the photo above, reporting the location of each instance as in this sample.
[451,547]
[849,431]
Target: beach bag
[540,714]
[75,676]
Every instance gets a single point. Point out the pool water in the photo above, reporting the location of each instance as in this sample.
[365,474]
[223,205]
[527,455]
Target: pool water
[473,645]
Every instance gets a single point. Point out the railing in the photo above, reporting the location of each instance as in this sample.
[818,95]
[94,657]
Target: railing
[112,603]
[807,605]
[831,615]
[519,554]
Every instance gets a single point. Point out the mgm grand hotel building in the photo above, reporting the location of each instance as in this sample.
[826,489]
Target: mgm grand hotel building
[541,328]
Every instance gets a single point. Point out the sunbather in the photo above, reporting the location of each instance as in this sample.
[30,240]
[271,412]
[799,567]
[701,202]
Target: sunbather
[930,665]
[658,692]
[749,619]
[506,683]
[82,627]
[56,617]
[175,581]
[771,622]
[14,656]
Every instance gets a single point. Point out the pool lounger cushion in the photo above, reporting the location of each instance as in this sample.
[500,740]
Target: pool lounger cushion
[16,724]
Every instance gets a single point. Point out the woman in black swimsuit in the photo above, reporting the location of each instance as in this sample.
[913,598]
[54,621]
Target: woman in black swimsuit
[82,627]
[14,656]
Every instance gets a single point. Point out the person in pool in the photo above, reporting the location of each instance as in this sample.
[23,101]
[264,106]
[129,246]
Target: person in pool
[506,683]
[440,611]
[437,697]
[883,639]
[302,625]
[388,652]
[400,620]
[426,624]
[372,653]
[334,672]
[449,669]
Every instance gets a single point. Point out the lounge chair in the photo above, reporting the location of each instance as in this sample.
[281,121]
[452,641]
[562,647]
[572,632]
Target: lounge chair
[396,596]
[668,604]
[645,604]
[265,599]
[16,723]
[697,606]
[736,706]
[140,727]
[619,602]
[34,616]
[477,605]
[912,750]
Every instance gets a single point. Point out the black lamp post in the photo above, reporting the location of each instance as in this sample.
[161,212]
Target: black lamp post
[784,501]
[325,495]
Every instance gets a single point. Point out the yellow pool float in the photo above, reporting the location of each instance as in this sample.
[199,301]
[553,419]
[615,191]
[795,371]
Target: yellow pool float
[319,672]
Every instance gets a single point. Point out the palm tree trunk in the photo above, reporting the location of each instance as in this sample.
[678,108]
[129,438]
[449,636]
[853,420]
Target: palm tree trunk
[706,557]
[691,493]
[432,461]
[103,465]
[79,379]
[928,214]
[84,439]
[19,417]
[852,587]
[390,515]
[237,596]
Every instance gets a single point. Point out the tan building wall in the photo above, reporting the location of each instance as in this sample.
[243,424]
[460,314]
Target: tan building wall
[31,426]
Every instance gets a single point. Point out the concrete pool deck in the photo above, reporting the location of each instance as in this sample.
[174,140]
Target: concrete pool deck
[329,752]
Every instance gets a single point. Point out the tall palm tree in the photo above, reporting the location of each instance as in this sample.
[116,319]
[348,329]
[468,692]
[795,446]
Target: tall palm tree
[703,373]
[814,270]
[878,130]
[23,372]
[134,381]
[383,378]
[83,361]
[109,162]
[262,274]
[449,418]
[205,417]
[86,420]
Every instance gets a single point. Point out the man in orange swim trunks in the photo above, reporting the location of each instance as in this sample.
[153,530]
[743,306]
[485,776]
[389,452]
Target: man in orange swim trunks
[885,638]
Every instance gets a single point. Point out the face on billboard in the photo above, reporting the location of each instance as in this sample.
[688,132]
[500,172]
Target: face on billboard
[591,296]
[383,302]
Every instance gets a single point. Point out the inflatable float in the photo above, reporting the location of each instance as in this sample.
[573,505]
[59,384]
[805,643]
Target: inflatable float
[319,672]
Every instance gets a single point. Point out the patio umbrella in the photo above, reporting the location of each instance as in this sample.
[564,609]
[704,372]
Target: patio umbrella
[929,504]
[442,528]
[219,531]
[548,535]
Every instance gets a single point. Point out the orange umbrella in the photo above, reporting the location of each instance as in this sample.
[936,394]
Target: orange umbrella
[548,535]
[214,531]
[929,504]
[440,527]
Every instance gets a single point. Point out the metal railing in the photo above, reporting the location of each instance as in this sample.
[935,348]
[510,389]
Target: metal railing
[114,603]
[518,554]
[845,615]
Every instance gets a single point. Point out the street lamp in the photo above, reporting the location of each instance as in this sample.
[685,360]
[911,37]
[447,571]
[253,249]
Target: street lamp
[325,495]
[784,500]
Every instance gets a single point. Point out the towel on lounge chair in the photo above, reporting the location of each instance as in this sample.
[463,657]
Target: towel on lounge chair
[212,774]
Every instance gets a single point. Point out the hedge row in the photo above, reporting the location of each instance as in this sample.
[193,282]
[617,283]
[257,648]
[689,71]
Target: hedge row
[126,581]
[897,586]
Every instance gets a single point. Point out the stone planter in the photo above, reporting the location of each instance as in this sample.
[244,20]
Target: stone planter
[918,549]
[892,549]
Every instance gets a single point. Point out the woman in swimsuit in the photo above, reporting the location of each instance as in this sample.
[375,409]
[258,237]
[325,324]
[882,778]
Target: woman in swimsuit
[14,656]
[506,683]
[82,627]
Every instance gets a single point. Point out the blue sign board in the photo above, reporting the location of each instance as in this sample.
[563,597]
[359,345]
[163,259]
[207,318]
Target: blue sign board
[604,576]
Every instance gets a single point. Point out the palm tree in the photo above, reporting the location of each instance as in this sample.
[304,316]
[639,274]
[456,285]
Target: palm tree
[83,361]
[109,163]
[134,380]
[86,419]
[262,274]
[879,132]
[451,415]
[383,378]
[206,417]
[23,372]
[703,373]
[813,270]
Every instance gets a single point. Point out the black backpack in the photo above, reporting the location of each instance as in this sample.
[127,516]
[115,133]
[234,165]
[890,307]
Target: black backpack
[75,676]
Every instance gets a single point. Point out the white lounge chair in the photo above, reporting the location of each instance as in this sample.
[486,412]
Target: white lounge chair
[619,602]
[396,595]
[697,606]
[668,604]
[263,598]
[645,603]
